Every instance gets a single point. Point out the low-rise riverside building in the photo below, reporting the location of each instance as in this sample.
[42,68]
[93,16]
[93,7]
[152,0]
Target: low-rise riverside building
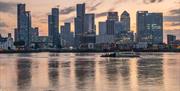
[42,42]
[7,43]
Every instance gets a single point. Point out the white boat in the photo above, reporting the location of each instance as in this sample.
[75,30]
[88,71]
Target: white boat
[121,54]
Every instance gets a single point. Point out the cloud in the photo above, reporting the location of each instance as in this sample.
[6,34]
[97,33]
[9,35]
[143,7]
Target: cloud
[7,7]
[152,1]
[119,1]
[175,11]
[2,24]
[71,9]
[144,1]
[172,18]
[43,21]
[102,14]
[67,10]
[175,24]
[40,17]
[70,19]
[94,7]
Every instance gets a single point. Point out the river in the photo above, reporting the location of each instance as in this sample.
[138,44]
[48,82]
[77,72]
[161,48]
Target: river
[89,72]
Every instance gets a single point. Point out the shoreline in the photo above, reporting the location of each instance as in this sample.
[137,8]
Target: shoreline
[84,51]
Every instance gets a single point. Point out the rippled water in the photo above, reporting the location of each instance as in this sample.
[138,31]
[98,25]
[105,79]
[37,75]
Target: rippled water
[89,72]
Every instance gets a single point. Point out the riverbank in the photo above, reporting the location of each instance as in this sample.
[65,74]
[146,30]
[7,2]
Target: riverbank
[83,51]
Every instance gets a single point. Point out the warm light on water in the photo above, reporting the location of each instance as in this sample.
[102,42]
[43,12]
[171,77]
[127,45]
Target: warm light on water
[89,72]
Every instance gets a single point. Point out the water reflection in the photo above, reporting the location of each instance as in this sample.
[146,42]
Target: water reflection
[85,74]
[89,72]
[24,74]
[150,74]
[117,71]
[53,73]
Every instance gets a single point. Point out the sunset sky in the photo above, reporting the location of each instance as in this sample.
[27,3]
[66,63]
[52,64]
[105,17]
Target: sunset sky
[41,8]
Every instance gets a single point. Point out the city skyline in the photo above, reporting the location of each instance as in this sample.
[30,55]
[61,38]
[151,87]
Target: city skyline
[115,31]
[67,13]
[89,45]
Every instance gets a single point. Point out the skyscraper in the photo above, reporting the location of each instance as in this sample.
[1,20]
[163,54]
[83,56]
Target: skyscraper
[124,38]
[22,32]
[89,31]
[84,27]
[16,35]
[171,39]
[79,20]
[50,25]
[119,27]
[62,28]
[110,22]
[53,26]
[125,21]
[89,23]
[113,16]
[67,38]
[34,32]
[149,27]
[102,28]
[67,27]
[79,24]
[80,10]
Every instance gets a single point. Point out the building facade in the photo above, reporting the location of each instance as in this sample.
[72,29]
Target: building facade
[67,37]
[171,39]
[89,31]
[53,27]
[7,43]
[42,42]
[124,38]
[125,21]
[89,23]
[34,32]
[79,25]
[149,27]
[85,33]
[119,27]
[112,18]
[22,32]
[102,28]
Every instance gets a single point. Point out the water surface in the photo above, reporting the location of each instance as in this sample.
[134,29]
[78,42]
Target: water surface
[89,72]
